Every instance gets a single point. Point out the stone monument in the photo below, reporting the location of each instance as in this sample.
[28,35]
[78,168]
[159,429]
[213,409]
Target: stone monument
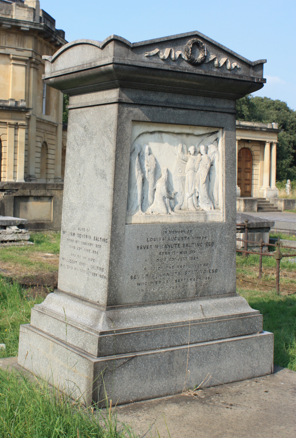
[146,304]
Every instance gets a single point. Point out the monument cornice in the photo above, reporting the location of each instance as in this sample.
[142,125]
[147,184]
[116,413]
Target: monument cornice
[178,64]
[136,75]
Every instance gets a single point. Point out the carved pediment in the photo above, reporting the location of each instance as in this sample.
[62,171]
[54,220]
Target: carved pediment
[204,55]
[133,64]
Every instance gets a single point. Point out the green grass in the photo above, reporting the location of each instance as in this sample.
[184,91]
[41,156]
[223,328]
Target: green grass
[267,262]
[26,255]
[279,317]
[283,236]
[36,410]
[47,242]
[15,309]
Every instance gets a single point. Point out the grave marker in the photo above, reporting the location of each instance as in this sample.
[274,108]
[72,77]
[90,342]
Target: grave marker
[146,302]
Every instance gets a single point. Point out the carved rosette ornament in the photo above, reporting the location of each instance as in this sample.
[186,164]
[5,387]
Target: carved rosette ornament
[202,52]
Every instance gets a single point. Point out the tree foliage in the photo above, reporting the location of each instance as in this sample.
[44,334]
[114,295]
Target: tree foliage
[65,108]
[265,110]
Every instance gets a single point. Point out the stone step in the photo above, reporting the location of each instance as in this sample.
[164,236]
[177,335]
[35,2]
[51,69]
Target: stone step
[268,209]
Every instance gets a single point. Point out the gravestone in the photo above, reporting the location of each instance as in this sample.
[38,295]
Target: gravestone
[146,304]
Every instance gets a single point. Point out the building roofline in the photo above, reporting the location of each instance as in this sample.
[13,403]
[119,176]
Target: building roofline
[30,25]
[256,126]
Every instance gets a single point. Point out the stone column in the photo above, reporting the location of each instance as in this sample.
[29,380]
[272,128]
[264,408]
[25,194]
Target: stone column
[20,177]
[266,169]
[273,165]
[18,65]
[238,190]
[32,124]
[10,151]
[59,142]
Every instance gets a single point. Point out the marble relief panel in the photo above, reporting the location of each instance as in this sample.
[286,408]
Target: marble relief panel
[175,174]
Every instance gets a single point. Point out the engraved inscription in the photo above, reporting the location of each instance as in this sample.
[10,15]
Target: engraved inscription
[83,249]
[178,260]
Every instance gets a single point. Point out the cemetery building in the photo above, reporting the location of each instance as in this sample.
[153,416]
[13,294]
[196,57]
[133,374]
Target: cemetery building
[256,145]
[31,131]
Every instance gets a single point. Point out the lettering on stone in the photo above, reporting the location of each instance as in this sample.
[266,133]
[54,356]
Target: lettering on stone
[84,248]
[178,260]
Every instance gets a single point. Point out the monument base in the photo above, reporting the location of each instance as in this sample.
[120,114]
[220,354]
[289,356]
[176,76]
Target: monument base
[139,353]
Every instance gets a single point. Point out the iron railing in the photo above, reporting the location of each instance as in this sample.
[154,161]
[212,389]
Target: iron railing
[277,254]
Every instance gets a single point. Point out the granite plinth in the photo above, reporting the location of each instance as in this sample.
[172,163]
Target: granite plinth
[141,375]
[124,330]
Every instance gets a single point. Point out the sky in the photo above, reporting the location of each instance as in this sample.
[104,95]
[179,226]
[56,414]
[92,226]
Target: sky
[255,29]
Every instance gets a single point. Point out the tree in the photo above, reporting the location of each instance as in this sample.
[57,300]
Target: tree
[265,110]
[65,108]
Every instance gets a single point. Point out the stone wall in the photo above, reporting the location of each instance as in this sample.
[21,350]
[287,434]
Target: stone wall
[40,204]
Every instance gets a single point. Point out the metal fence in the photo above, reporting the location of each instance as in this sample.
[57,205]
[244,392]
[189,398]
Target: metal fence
[277,254]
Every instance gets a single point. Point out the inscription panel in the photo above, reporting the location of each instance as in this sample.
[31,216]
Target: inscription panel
[83,252]
[84,263]
[176,263]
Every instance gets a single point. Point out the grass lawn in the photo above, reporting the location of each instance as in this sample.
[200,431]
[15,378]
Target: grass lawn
[43,256]
[283,236]
[279,317]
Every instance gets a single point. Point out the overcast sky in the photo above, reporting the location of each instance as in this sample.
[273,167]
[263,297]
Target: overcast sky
[256,29]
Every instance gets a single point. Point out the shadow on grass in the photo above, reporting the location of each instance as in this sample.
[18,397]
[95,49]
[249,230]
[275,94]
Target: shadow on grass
[279,317]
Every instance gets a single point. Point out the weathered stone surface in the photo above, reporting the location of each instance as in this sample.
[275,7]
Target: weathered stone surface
[284,204]
[254,222]
[147,264]
[148,374]
[258,228]
[246,204]
[7,221]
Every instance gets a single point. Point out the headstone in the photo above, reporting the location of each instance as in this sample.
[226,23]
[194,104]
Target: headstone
[146,304]
[288,187]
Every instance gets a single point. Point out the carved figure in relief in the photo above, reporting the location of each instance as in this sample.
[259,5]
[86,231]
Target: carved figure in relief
[136,181]
[214,174]
[202,180]
[190,201]
[150,167]
[179,177]
[161,204]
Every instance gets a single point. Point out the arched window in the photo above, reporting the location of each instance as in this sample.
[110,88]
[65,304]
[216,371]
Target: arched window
[43,162]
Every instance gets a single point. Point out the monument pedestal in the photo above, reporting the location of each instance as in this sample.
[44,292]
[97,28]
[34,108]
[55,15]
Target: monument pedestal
[152,351]
[146,304]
